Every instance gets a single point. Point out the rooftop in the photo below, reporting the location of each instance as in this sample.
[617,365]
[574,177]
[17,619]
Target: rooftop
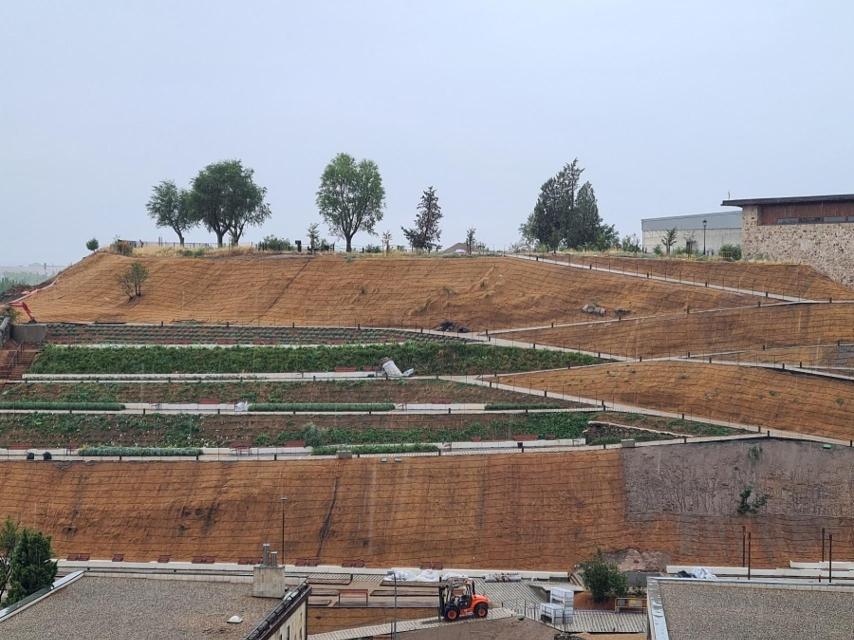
[715,220]
[747,202]
[697,609]
[102,608]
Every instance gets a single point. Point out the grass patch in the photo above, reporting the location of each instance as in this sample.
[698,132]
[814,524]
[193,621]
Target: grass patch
[140,451]
[61,405]
[425,358]
[322,406]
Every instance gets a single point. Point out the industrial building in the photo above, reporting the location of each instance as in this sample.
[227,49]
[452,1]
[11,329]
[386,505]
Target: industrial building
[695,233]
[813,230]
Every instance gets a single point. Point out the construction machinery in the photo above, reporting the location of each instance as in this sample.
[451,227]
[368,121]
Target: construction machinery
[458,599]
[23,305]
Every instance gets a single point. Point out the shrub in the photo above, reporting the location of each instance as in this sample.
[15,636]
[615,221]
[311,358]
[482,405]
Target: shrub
[140,451]
[92,244]
[123,248]
[746,505]
[730,252]
[24,405]
[603,578]
[272,243]
[372,248]
[131,281]
[322,406]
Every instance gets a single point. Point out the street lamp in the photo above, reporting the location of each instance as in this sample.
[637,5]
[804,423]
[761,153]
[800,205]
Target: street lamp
[704,237]
[283,500]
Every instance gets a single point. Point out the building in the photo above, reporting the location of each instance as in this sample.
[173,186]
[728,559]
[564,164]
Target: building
[765,609]
[814,230]
[717,229]
[101,605]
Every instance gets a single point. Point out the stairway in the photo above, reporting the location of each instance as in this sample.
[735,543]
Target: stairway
[15,359]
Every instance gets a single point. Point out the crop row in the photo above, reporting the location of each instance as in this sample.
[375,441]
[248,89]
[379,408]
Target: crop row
[140,451]
[27,405]
[425,358]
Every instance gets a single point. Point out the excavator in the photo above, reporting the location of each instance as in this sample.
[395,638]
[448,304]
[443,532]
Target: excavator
[458,599]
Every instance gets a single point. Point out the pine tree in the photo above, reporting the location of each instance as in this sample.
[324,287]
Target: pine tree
[425,234]
[32,568]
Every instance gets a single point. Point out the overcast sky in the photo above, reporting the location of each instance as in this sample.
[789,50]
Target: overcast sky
[669,106]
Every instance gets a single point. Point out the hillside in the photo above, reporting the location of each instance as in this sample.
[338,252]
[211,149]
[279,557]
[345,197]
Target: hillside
[489,292]
[524,511]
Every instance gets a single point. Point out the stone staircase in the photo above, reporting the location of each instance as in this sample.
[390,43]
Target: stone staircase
[16,358]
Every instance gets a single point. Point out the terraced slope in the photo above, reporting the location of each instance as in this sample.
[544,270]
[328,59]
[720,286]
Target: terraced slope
[524,511]
[748,395]
[371,291]
[794,280]
[705,332]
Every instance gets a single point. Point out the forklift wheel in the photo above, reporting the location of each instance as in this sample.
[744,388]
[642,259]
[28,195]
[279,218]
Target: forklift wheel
[452,613]
[481,610]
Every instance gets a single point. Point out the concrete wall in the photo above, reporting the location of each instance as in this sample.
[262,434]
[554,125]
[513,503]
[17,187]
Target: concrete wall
[32,333]
[827,247]
[715,238]
[295,627]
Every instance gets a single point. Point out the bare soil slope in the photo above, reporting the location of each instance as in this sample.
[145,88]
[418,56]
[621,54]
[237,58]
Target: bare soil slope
[795,280]
[747,395]
[335,291]
[705,332]
[522,511]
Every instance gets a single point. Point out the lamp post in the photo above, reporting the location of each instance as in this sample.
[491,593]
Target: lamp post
[283,500]
[704,237]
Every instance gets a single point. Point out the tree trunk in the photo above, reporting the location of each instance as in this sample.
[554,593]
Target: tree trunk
[349,245]
[219,236]
[180,239]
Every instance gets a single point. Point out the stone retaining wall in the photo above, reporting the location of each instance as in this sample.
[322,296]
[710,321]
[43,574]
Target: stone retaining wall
[827,247]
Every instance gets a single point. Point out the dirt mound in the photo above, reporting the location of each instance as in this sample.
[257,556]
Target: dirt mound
[373,291]
[748,395]
[522,511]
[705,332]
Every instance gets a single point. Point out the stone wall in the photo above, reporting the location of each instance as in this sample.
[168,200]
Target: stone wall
[827,247]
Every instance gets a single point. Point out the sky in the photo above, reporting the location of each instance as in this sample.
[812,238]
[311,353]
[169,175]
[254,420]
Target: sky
[671,107]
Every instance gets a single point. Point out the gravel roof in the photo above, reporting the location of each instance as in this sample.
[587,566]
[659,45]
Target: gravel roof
[759,611]
[102,608]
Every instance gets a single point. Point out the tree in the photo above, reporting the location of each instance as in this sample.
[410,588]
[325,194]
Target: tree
[313,237]
[226,199]
[669,239]
[386,238]
[92,244]
[425,234]
[470,240]
[32,568]
[170,207]
[603,578]
[565,214]
[351,197]
[631,243]
[131,281]
[8,539]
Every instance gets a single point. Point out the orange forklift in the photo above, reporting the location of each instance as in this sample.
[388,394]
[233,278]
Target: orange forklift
[457,599]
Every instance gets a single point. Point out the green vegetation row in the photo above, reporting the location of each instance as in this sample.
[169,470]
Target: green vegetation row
[20,405]
[140,451]
[322,406]
[425,358]
[376,448]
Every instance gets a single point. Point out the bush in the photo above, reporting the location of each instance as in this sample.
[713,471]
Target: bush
[24,405]
[603,578]
[92,245]
[657,250]
[140,451]
[378,448]
[322,406]
[272,243]
[372,248]
[730,252]
[123,248]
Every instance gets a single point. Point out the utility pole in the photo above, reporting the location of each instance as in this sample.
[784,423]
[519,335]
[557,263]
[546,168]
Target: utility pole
[283,500]
[704,237]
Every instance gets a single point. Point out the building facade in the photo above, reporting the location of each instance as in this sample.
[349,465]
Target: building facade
[813,230]
[693,231]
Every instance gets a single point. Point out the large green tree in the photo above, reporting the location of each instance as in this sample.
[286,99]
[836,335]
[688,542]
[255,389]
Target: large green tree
[32,567]
[566,213]
[170,207]
[226,199]
[8,539]
[425,234]
[351,197]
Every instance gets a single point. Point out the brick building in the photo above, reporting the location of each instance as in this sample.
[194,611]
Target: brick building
[813,230]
